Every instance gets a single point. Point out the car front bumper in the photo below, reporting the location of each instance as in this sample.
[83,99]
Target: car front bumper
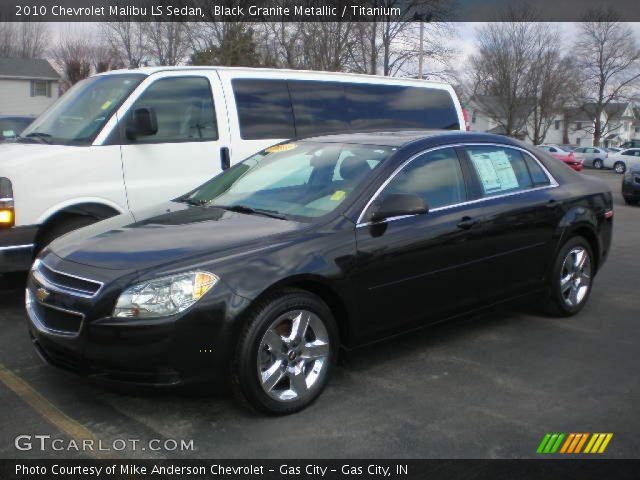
[631,186]
[17,246]
[74,334]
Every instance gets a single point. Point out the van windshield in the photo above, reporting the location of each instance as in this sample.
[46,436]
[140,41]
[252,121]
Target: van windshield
[80,114]
[301,179]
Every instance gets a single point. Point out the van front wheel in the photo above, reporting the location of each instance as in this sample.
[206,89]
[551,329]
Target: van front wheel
[60,227]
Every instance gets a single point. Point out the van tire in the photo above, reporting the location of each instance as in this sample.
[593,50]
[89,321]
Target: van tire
[61,226]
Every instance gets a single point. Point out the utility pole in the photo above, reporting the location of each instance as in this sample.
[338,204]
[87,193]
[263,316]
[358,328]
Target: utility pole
[421,55]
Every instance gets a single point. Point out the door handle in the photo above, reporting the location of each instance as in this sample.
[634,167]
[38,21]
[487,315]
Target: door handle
[466,223]
[225,159]
[551,203]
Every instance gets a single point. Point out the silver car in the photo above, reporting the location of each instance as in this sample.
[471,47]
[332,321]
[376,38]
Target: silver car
[591,156]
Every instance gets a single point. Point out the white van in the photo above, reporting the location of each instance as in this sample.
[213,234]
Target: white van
[124,140]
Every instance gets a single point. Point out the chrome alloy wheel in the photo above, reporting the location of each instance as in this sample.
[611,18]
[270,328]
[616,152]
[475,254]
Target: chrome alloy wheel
[575,276]
[293,355]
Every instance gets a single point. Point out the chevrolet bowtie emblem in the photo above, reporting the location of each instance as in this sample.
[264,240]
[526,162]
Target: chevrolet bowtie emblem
[42,294]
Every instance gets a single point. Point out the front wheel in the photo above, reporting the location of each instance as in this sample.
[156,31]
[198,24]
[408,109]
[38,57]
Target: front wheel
[286,352]
[571,279]
[597,164]
[619,167]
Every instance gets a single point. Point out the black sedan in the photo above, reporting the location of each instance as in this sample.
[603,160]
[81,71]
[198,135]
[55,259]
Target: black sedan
[631,186]
[262,273]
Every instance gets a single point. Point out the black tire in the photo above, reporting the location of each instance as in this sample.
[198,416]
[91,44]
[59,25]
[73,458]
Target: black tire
[597,164]
[60,227]
[619,167]
[244,375]
[630,201]
[556,303]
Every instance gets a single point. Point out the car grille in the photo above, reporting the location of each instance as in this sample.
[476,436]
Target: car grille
[56,300]
[64,282]
[52,319]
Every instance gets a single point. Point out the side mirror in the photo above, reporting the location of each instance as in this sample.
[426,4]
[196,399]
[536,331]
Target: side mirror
[399,204]
[142,122]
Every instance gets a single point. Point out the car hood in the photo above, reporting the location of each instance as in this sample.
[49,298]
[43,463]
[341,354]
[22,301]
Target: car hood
[168,233]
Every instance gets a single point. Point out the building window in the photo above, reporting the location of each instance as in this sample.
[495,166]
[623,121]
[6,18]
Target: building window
[557,125]
[40,88]
[473,116]
[578,125]
[578,141]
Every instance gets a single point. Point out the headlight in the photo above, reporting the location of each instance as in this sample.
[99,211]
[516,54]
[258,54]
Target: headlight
[164,296]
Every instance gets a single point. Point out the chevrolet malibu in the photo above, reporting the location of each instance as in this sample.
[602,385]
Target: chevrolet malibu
[263,273]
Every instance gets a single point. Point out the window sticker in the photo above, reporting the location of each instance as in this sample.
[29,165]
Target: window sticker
[338,195]
[8,133]
[495,171]
[106,105]
[285,147]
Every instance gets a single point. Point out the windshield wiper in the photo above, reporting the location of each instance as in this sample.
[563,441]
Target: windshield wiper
[41,136]
[251,210]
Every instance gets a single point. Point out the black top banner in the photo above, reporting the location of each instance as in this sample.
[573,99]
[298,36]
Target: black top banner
[309,10]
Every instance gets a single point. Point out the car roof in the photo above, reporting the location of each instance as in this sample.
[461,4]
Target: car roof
[401,138]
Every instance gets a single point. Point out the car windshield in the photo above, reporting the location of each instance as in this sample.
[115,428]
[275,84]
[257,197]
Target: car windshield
[301,179]
[80,114]
[11,127]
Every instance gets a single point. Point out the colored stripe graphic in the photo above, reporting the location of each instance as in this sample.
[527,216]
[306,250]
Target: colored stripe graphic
[572,443]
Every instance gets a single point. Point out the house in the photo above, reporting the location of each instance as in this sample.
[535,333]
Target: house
[621,122]
[27,86]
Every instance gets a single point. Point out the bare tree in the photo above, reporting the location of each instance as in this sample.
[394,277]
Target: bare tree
[168,42]
[73,55]
[608,58]
[326,45]
[501,79]
[224,43]
[128,39]
[23,40]
[552,82]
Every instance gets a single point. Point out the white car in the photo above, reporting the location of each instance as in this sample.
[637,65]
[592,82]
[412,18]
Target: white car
[623,160]
[125,140]
[591,156]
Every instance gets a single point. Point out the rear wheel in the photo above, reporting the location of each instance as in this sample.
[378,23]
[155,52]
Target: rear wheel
[286,353]
[630,201]
[619,167]
[597,164]
[571,279]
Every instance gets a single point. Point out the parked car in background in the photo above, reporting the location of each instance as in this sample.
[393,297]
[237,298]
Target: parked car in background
[622,160]
[613,149]
[128,139]
[631,144]
[313,245]
[11,126]
[568,147]
[563,154]
[631,185]
[591,156]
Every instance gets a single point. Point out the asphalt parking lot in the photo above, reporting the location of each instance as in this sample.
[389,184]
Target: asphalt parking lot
[486,387]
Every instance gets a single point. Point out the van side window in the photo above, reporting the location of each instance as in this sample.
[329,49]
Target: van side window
[500,170]
[318,107]
[375,107]
[184,108]
[264,109]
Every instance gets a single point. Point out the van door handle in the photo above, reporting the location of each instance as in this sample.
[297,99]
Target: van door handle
[225,159]
[467,222]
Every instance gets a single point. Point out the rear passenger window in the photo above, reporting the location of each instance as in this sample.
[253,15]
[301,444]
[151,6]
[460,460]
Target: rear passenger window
[264,109]
[540,179]
[318,107]
[500,170]
[434,176]
[376,107]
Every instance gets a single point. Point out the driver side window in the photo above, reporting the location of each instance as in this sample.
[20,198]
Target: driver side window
[184,108]
[435,176]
